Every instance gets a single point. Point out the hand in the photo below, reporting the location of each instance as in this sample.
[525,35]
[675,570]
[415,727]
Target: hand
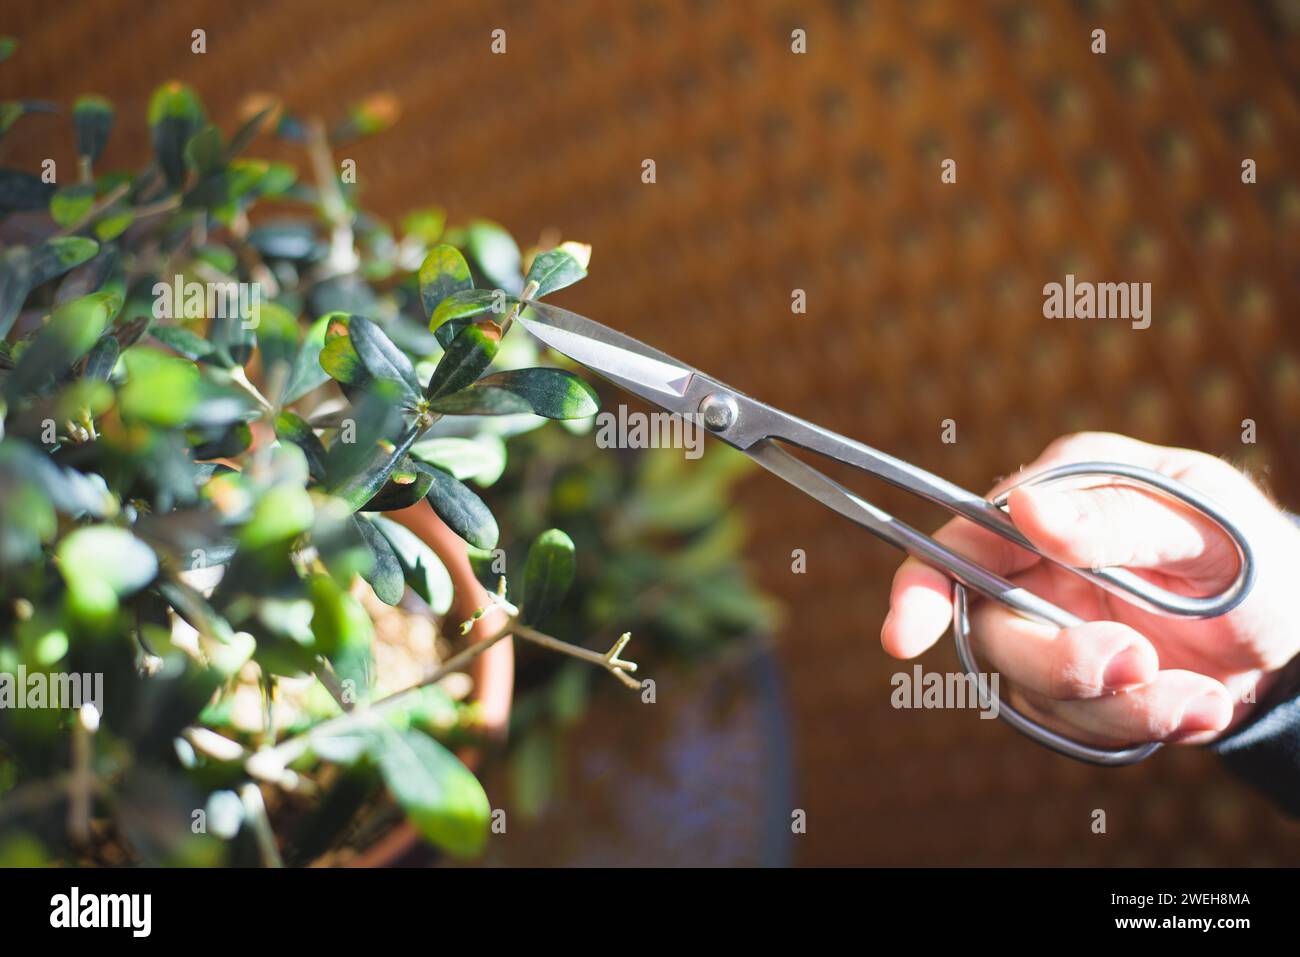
[1126,676]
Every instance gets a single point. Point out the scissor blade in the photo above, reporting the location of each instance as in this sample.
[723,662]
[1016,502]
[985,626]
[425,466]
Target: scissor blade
[649,373]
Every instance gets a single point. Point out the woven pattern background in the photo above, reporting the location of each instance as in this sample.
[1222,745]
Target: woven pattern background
[820,171]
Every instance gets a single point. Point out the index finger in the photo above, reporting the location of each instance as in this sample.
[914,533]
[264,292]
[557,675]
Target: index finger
[920,599]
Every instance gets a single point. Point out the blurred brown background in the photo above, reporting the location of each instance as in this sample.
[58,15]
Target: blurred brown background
[820,171]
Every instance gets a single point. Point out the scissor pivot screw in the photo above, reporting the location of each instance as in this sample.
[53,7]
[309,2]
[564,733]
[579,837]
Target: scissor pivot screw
[719,412]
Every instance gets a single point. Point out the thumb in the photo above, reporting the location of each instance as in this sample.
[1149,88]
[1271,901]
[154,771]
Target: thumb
[1120,525]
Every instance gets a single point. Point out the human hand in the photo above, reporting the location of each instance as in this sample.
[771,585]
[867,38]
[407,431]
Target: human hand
[1126,676]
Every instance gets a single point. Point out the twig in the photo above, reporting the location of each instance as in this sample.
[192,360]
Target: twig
[610,660]
[255,811]
[240,378]
[342,255]
[96,210]
[81,783]
[326,676]
[530,290]
[156,207]
[270,763]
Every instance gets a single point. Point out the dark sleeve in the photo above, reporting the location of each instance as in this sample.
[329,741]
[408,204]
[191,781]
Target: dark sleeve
[1266,751]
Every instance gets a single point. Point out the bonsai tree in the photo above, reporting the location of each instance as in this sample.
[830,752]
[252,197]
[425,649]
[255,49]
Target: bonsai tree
[205,418]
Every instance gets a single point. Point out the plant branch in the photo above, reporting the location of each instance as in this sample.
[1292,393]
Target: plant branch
[271,763]
[342,254]
[255,811]
[240,378]
[610,660]
[96,210]
[530,290]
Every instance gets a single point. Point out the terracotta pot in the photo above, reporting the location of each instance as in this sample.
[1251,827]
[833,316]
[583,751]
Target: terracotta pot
[493,671]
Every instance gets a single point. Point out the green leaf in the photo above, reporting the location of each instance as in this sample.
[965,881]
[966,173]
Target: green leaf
[338,543]
[11,111]
[93,118]
[114,224]
[23,191]
[466,358]
[455,312]
[343,630]
[102,359]
[291,427]
[206,152]
[69,204]
[71,331]
[56,256]
[548,573]
[226,441]
[462,510]
[425,225]
[182,341]
[381,359]
[496,253]
[385,575]
[481,400]
[482,459]
[421,568]
[249,129]
[105,272]
[360,488]
[282,513]
[441,797]
[307,372]
[553,393]
[338,356]
[552,270]
[160,389]
[277,339]
[102,563]
[286,240]
[175,114]
[443,272]
[366,118]
[15,281]
[8,45]
[406,486]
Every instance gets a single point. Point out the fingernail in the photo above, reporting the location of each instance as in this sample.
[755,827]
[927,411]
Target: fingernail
[1128,668]
[1209,712]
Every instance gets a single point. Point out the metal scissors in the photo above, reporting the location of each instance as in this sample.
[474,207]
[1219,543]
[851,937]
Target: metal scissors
[758,429]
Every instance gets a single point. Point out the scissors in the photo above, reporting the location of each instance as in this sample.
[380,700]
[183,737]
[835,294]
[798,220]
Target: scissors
[759,430]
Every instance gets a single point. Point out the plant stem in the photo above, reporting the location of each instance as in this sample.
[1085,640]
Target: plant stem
[240,378]
[610,661]
[342,254]
[530,290]
[81,783]
[96,210]
[270,763]
[272,760]
[255,811]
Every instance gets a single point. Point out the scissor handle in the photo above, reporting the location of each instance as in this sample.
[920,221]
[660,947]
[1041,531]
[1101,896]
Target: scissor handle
[1107,757]
[751,426]
[1134,588]
[1122,582]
